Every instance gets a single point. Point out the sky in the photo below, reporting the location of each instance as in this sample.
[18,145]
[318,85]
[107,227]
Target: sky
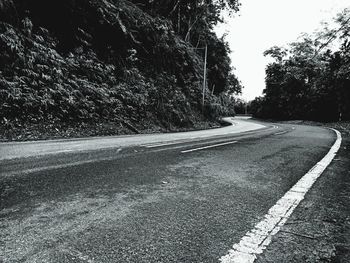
[261,24]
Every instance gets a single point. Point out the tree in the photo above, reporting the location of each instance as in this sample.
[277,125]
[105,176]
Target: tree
[308,81]
[193,21]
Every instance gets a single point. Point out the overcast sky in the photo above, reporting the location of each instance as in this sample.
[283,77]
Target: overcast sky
[262,24]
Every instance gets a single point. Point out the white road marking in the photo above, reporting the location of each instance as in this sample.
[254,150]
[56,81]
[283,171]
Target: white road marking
[66,151]
[280,133]
[207,147]
[57,166]
[162,144]
[154,145]
[77,254]
[256,240]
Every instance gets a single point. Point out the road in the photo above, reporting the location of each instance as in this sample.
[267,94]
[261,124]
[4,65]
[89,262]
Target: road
[184,197]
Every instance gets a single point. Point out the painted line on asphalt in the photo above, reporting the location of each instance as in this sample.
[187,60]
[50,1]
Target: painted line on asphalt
[77,254]
[162,144]
[40,154]
[57,166]
[256,240]
[208,147]
[190,139]
[280,133]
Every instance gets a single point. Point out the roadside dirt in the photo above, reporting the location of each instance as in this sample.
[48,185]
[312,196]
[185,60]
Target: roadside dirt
[46,131]
[319,229]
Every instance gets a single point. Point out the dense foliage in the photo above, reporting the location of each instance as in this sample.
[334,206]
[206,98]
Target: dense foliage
[136,62]
[310,80]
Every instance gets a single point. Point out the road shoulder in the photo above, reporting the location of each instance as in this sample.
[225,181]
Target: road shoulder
[319,228]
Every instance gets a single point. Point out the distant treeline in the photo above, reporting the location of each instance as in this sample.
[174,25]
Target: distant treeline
[309,80]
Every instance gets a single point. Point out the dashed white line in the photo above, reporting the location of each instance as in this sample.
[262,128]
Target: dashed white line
[256,240]
[208,147]
[154,145]
[77,254]
[58,166]
[280,133]
[162,144]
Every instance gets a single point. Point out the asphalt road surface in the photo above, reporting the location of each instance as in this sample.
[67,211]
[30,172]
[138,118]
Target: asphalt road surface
[185,197]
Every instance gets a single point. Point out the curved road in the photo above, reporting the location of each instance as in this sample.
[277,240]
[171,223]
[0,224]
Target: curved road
[185,197]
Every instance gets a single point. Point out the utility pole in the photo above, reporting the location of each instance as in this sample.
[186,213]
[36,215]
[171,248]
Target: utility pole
[204,74]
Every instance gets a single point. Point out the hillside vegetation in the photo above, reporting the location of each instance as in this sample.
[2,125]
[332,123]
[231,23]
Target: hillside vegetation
[131,66]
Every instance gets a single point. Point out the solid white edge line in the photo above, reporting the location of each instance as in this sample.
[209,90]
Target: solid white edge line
[256,240]
[207,147]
